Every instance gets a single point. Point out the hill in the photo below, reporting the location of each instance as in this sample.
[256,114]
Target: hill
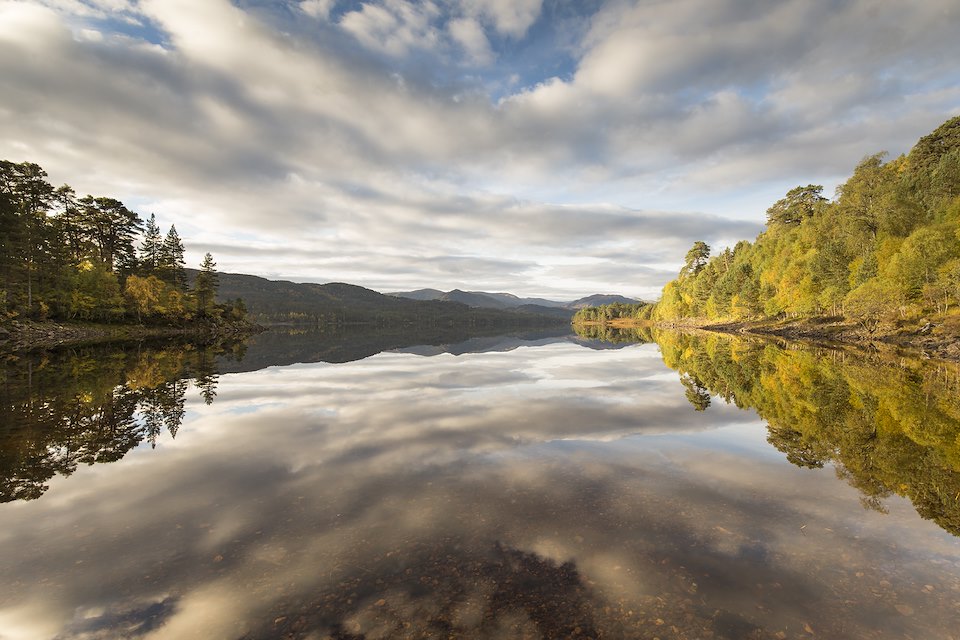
[485,299]
[599,299]
[884,255]
[474,299]
[272,301]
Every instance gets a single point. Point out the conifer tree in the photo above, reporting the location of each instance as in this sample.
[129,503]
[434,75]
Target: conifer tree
[151,249]
[205,287]
[172,265]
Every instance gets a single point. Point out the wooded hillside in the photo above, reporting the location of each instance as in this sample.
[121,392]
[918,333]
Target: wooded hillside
[886,249]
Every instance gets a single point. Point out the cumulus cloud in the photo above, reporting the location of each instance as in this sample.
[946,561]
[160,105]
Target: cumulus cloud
[386,130]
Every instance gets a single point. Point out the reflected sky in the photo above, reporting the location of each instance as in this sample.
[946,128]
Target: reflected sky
[548,491]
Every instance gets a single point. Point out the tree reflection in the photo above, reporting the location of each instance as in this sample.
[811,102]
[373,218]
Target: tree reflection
[697,394]
[890,425]
[615,335]
[85,406]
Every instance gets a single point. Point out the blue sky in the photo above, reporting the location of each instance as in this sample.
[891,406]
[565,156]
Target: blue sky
[541,147]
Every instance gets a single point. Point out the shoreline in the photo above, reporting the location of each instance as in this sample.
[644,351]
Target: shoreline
[28,336]
[935,340]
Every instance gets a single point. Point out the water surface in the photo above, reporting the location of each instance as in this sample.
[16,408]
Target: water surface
[540,486]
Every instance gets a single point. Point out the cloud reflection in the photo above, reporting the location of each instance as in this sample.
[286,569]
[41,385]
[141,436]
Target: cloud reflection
[485,495]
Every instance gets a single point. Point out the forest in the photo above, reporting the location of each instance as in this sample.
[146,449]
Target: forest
[606,312]
[70,258]
[885,251]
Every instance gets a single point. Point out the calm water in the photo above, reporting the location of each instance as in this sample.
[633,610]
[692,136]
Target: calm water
[539,486]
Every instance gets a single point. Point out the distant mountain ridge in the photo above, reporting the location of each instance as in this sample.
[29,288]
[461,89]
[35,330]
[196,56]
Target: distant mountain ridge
[487,300]
[340,303]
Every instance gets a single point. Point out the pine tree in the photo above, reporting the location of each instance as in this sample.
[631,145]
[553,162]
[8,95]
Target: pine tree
[151,249]
[697,257]
[205,287]
[172,265]
[112,228]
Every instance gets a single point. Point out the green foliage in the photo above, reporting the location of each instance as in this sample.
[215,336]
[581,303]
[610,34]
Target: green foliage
[872,303]
[697,258]
[95,295]
[884,249]
[615,310]
[65,258]
[153,299]
[799,204]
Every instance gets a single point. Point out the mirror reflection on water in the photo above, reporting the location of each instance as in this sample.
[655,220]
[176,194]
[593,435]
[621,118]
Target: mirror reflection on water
[632,484]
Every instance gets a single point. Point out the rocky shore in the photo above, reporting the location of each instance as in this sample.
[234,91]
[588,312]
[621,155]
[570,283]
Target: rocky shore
[932,339]
[935,338]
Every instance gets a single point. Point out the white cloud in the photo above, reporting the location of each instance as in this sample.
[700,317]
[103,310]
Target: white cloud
[470,35]
[317,8]
[509,17]
[372,137]
[396,27]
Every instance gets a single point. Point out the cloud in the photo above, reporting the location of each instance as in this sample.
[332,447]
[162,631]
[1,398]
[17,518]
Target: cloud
[317,8]
[509,17]
[470,35]
[383,129]
[395,27]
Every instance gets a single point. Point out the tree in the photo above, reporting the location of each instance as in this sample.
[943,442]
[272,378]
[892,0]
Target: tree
[205,287]
[146,295]
[151,249]
[112,227]
[866,196]
[799,204]
[172,265]
[27,196]
[920,258]
[95,294]
[71,229]
[871,303]
[697,258]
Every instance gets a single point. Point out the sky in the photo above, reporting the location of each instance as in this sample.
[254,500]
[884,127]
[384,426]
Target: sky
[553,148]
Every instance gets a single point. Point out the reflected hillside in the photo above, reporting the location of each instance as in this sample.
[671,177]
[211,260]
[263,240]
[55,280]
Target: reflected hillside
[305,344]
[60,410]
[891,426]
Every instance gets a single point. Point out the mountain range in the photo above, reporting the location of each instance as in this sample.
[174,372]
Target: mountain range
[487,300]
[271,301]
